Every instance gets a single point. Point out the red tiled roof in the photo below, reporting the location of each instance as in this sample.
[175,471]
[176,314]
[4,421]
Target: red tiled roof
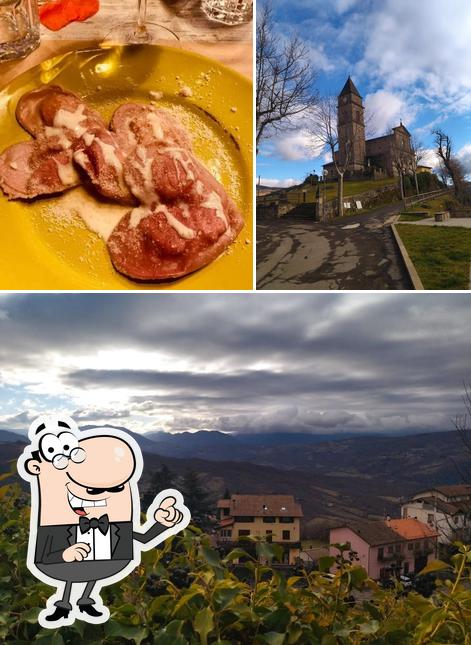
[228,521]
[373,532]
[260,505]
[412,529]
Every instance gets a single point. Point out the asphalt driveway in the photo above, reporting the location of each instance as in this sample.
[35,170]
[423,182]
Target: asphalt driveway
[356,252]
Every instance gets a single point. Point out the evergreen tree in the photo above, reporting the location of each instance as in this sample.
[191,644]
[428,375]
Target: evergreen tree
[197,499]
[160,480]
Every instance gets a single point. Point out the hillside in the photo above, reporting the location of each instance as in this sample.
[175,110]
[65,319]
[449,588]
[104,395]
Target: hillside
[356,476]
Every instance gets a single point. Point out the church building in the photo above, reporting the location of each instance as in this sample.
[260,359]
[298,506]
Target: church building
[381,156]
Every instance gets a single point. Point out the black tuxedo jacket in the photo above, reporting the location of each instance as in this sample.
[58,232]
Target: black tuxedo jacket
[51,541]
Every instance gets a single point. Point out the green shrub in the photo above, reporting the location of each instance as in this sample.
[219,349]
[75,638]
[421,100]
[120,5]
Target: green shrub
[185,592]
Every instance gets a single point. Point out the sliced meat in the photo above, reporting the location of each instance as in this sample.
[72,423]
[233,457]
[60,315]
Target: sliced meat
[102,159]
[57,114]
[137,124]
[155,173]
[156,250]
[31,168]
[163,241]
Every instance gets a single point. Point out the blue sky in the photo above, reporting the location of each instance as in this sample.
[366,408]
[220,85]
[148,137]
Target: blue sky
[409,61]
[237,362]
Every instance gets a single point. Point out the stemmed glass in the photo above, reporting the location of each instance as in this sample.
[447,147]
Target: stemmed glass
[140,31]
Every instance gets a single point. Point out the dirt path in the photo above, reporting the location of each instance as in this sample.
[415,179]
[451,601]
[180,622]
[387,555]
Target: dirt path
[357,252]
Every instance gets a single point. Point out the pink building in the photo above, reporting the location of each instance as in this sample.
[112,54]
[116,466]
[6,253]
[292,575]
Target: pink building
[388,547]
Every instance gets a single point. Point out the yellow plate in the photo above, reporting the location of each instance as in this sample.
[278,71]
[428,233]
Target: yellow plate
[43,248]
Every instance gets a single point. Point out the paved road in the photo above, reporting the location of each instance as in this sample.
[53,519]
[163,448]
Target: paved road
[307,255]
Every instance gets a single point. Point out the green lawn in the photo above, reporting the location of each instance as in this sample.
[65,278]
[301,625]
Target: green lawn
[441,255]
[407,217]
[350,188]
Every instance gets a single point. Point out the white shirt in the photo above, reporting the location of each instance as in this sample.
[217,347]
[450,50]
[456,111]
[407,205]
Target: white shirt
[100,545]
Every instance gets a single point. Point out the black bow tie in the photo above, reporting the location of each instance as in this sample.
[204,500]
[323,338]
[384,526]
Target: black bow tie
[101,524]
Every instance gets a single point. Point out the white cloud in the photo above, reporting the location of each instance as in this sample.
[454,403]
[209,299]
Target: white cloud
[279,183]
[464,155]
[430,158]
[386,109]
[341,6]
[422,44]
[295,146]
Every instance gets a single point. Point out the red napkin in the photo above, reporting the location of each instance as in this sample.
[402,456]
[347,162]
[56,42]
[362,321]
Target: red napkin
[58,14]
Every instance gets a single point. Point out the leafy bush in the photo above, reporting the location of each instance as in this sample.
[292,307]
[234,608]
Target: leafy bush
[185,592]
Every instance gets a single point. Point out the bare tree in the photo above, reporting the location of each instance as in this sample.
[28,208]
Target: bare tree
[284,77]
[324,131]
[401,163]
[419,153]
[453,167]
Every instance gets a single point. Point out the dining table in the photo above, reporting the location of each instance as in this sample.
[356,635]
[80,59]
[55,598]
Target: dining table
[229,45]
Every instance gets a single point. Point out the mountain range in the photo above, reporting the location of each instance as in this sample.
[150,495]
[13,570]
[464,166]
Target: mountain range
[334,477]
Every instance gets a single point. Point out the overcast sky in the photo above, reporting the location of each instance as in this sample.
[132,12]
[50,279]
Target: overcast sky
[410,60]
[255,362]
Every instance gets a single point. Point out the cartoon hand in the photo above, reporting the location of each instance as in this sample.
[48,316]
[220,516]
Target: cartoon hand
[76,552]
[167,514]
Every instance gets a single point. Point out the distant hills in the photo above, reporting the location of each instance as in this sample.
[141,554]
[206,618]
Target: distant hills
[334,477]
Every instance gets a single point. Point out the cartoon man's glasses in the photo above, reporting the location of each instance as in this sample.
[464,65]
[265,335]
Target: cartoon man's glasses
[58,449]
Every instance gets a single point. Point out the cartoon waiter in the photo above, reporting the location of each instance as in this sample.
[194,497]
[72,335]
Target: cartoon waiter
[85,527]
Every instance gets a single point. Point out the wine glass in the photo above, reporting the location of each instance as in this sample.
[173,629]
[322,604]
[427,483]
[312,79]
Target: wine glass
[141,31]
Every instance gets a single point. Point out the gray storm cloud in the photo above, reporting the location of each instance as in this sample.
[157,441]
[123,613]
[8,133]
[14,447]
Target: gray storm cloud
[254,362]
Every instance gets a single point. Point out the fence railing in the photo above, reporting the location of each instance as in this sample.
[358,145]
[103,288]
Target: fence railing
[416,199]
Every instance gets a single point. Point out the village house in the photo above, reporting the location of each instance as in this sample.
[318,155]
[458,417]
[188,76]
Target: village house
[388,547]
[274,517]
[446,509]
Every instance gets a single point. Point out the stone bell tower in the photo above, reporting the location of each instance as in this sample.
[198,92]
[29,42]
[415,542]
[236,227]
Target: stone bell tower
[351,128]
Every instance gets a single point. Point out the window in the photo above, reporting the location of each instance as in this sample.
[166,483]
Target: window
[410,546]
[286,520]
[226,533]
[286,535]
[269,535]
[406,568]
[244,518]
[269,520]
[380,552]
[398,548]
[243,532]
[390,549]
[416,546]
[430,518]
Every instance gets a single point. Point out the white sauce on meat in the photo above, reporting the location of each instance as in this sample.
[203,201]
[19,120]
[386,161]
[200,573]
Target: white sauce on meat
[67,173]
[140,213]
[148,195]
[213,201]
[181,156]
[185,209]
[199,187]
[88,138]
[64,141]
[71,120]
[14,165]
[179,227]
[156,125]
[110,157]
[81,158]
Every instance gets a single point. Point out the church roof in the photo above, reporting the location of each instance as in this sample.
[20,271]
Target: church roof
[349,88]
[402,127]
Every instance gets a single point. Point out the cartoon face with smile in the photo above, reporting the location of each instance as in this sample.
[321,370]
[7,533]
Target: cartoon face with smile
[85,514]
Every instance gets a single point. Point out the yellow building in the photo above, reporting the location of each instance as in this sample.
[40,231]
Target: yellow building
[274,517]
